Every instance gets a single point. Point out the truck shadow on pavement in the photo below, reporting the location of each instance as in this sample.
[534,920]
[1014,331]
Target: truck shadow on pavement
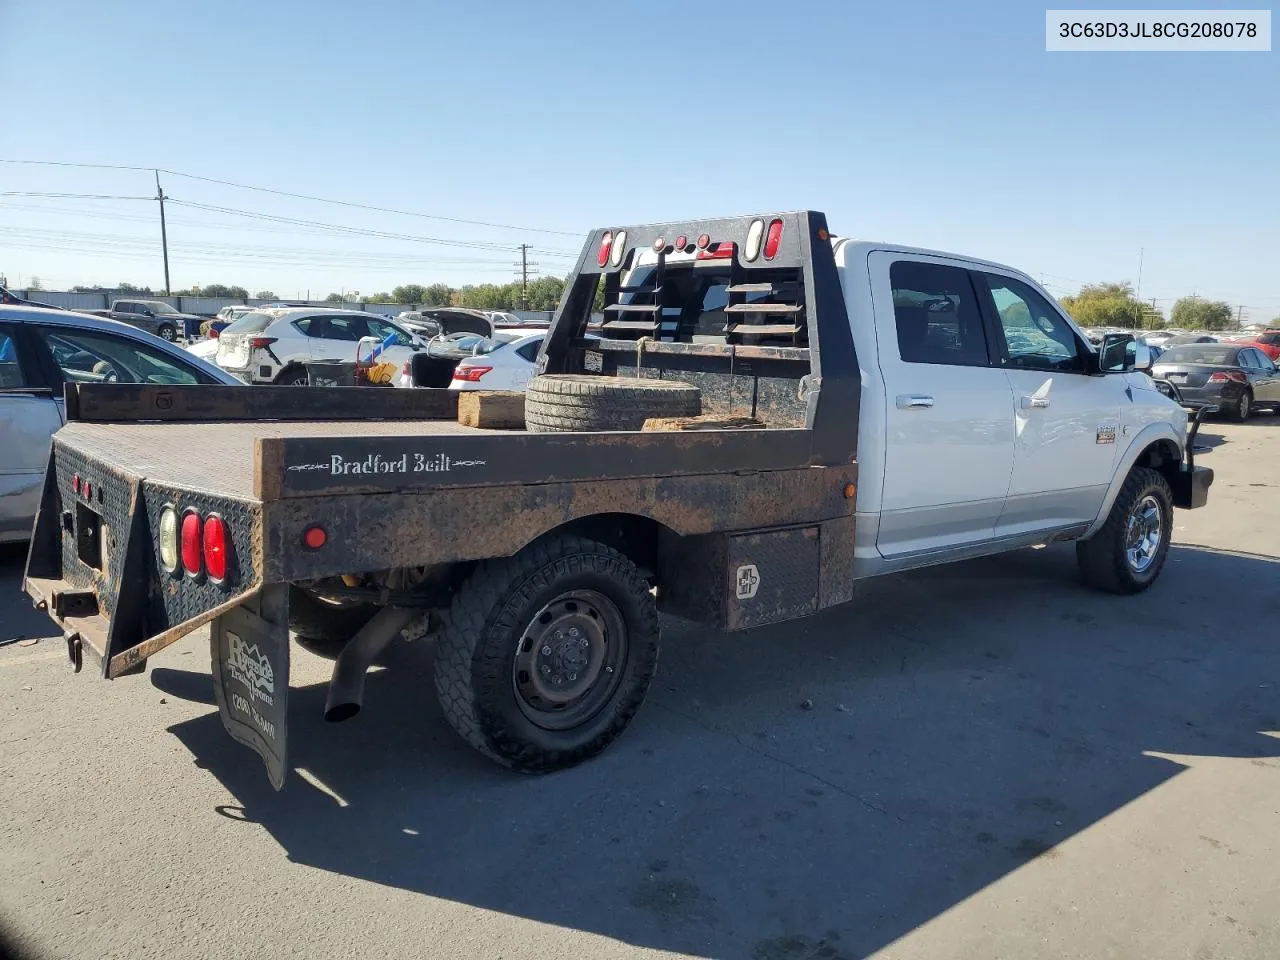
[813,790]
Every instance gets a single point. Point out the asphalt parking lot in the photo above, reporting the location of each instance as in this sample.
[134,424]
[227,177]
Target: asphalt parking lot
[997,762]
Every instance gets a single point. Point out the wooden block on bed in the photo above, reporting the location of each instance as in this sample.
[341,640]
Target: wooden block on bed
[708,421]
[491,409]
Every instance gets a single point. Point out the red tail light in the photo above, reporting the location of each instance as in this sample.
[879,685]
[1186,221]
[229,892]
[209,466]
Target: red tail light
[189,539]
[1234,376]
[721,251]
[703,241]
[407,369]
[470,374]
[681,242]
[215,548]
[314,537]
[75,483]
[213,333]
[772,239]
[259,342]
[606,240]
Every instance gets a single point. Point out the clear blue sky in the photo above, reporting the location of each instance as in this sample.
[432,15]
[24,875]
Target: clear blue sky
[939,124]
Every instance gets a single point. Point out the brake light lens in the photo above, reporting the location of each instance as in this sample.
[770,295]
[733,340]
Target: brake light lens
[190,543]
[772,239]
[314,537]
[470,374]
[87,489]
[755,235]
[681,242]
[75,484]
[619,248]
[213,333]
[215,548]
[703,240]
[606,240]
[259,343]
[721,251]
[1233,376]
[169,539]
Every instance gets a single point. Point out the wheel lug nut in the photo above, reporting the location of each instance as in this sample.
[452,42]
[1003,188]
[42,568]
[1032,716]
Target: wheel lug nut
[573,677]
[608,669]
[545,670]
[582,642]
[546,651]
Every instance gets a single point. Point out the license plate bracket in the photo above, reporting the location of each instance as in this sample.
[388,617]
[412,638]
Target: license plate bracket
[249,647]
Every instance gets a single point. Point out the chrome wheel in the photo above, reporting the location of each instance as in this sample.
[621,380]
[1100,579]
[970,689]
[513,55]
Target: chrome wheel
[1242,411]
[569,659]
[1143,532]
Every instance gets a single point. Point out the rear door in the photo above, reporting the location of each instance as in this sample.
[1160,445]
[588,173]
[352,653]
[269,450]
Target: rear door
[28,419]
[1262,374]
[949,440]
[1067,421]
[335,337]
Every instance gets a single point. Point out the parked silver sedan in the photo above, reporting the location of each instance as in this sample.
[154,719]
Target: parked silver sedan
[42,349]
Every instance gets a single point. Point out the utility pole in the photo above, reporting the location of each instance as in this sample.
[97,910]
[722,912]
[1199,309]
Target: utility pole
[1239,315]
[524,267]
[1138,293]
[164,236]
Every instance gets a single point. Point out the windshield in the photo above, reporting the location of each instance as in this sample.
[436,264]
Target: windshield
[1208,353]
[250,323]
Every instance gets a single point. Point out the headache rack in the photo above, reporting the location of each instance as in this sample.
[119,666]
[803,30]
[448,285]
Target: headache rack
[777,337]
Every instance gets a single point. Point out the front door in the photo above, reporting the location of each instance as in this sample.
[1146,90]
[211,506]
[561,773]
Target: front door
[1067,421]
[28,419]
[949,440]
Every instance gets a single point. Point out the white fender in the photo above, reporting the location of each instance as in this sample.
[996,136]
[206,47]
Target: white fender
[1152,432]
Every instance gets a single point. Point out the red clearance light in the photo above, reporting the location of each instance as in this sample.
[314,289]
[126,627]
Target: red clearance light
[606,240]
[470,374]
[660,244]
[75,483]
[703,241]
[772,239]
[721,251]
[215,548]
[189,539]
[87,488]
[314,537]
[681,242]
[259,342]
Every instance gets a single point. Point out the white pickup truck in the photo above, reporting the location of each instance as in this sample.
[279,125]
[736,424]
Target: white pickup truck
[766,415]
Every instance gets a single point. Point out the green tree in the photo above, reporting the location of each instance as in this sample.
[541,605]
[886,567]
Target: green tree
[545,292]
[1110,305]
[486,296]
[437,295]
[266,295]
[380,298]
[410,293]
[1195,313]
[335,298]
[221,291]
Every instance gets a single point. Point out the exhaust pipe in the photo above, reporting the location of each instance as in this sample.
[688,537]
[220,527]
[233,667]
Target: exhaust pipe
[346,687]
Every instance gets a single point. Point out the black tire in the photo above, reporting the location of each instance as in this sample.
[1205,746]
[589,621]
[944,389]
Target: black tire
[1242,409]
[324,628]
[561,403]
[293,377]
[1103,559]
[167,331]
[478,656]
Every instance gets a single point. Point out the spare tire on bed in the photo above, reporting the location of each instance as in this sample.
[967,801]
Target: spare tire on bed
[564,403]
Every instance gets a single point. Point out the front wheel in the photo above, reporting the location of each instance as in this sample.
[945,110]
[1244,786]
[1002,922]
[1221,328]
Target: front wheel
[1127,554]
[168,332]
[548,655]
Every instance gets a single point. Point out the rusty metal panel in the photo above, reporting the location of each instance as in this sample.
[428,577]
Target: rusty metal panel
[373,532]
[692,577]
[379,464]
[772,576]
[836,584]
[118,402]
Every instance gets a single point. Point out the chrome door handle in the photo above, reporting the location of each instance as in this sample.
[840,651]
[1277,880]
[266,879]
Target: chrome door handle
[1034,403]
[908,400]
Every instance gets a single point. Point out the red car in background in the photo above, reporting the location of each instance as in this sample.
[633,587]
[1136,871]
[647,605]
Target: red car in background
[1269,343]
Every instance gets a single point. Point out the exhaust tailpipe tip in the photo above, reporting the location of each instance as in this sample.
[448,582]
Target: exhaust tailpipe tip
[346,686]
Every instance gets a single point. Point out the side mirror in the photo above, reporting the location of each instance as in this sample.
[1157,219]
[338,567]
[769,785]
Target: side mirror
[1142,357]
[146,312]
[1118,353]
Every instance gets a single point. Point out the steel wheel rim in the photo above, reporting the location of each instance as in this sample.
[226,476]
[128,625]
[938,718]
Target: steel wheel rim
[569,658]
[1144,531]
[1244,405]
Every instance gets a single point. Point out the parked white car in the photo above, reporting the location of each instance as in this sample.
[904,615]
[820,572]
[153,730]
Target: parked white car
[273,346]
[40,350]
[505,366]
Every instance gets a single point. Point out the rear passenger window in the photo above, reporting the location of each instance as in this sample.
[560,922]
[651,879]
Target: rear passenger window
[11,377]
[530,351]
[937,315]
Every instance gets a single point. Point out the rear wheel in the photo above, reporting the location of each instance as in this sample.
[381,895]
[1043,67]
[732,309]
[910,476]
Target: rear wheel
[1243,407]
[1128,553]
[548,655]
[296,377]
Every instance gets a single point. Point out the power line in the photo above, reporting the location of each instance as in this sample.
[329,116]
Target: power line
[69,196]
[296,196]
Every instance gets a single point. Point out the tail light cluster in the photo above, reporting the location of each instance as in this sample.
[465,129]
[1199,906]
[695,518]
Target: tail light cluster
[1234,376]
[764,238]
[196,545]
[470,374]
